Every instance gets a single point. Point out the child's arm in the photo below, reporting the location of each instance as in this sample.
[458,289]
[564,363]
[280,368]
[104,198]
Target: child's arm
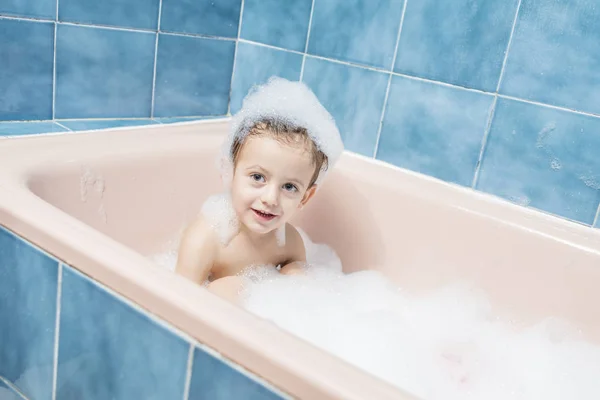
[297,260]
[197,252]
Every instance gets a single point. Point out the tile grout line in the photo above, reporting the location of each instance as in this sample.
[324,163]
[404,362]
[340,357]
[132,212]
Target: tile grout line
[57,330]
[270,46]
[188,373]
[537,103]
[389,83]
[54,64]
[596,222]
[13,387]
[155,60]
[196,35]
[310,18]
[235,51]
[508,46]
[61,125]
[486,134]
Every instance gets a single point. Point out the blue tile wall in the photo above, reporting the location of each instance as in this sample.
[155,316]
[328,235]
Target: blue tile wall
[125,13]
[29,8]
[29,128]
[204,17]
[107,348]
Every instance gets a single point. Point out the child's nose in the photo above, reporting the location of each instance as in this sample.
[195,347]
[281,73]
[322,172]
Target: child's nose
[270,195]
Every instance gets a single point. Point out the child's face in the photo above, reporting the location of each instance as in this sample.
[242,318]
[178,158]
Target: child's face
[270,183]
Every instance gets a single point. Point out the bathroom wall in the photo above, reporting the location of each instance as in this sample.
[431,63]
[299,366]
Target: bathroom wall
[501,96]
[64,336]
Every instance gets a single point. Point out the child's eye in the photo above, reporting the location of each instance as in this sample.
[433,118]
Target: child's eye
[257,177]
[290,187]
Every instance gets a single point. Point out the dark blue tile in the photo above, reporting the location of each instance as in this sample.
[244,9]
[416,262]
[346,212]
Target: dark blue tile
[28,128]
[125,13]
[554,55]
[278,23]
[462,42]
[6,393]
[215,380]
[545,158]
[203,17]
[27,54]
[186,119]
[103,73]
[254,65]
[193,76]
[354,97]
[433,129]
[29,8]
[108,350]
[82,125]
[359,31]
[28,287]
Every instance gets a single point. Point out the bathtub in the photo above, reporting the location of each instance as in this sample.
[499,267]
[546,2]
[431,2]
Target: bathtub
[101,203]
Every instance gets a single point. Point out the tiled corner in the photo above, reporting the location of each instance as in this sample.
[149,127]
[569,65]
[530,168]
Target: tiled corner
[29,128]
[202,17]
[358,31]
[254,65]
[460,42]
[544,158]
[278,23]
[90,124]
[6,393]
[103,73]
[215,380]
[434,129]
[108,350]
[29,8]
[124,13]
[193,76]
[27,53]
[28,289]
[354,97]
[554,55]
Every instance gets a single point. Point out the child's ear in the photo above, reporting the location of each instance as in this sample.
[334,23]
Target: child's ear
[308,195]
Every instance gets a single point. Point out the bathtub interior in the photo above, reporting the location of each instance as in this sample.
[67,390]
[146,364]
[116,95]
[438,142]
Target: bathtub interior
[420,233]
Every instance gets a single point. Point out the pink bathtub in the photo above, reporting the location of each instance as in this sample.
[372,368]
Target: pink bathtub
[104,201]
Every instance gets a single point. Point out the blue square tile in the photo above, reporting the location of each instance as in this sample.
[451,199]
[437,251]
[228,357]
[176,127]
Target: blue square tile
[27,54]
[202,17]
[354,97]
[359,31]
[186,119]
[103,73]
[545,158]
[554,55]
[278,23]
[433,129]
[29,8]
[125,13]
[193,76]
[28,128]
[28,288]
[108,350]
[462,42]
[213,379]
[254,65]
[6,393]
[86,125]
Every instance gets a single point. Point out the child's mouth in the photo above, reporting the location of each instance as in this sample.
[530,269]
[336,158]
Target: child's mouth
[265,216]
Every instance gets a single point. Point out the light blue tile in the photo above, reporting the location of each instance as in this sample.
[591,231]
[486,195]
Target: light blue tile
[554,55]
[278,23]
[359,31]
[354,97]
[27,53]
[108,350]
[462,42]
[203,17]
[125,13]
[186,119]
[544,158]
[193,76]
[254,65]
[433,129]
[6,393]
[82,125]
[103,73]
[28,287]
[213,379]
[28,128]
[29,8]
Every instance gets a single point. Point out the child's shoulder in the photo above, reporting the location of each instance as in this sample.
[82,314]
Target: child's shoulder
[200,232]
[294,241]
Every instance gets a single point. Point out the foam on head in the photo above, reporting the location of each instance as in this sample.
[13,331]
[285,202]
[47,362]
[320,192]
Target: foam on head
[288,102]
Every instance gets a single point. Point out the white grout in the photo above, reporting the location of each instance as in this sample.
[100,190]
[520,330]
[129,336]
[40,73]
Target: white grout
[188,373]
[57,330]
[486,134]
[596,222]
[61,125]
[107,27]
[510,38]
[235,51]
[197,35]
[310,18]
[389,83]
[13,387]
[270,46]
[27,19]
[54,71]
[537,103]
[155,60]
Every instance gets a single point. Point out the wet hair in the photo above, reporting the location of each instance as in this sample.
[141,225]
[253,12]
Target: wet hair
[286,133]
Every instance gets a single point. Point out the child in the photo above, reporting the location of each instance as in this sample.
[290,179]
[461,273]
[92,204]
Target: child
[281,144]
